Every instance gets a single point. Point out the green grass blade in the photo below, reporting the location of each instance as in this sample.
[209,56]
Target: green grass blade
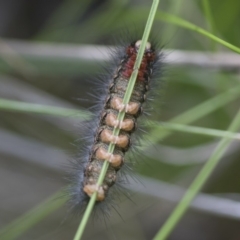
[120,117]
[188,116]
[197,130]
[185,24]
[209,18]
[10,105]
[208,14]
[197,112]
[197,184]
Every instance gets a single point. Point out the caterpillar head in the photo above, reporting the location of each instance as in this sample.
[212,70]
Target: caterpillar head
[138,44]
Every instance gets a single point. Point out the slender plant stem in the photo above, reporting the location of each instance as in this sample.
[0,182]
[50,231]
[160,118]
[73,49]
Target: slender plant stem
[208,15]
[85,218]
[11,105]
[120,117]
[166,17]
[197,184]
[195,130]
[210,25]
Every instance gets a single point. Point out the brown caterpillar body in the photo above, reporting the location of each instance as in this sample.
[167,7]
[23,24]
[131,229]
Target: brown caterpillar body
[108,120]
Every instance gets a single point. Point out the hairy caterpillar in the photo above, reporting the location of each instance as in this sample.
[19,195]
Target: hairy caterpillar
[95,151]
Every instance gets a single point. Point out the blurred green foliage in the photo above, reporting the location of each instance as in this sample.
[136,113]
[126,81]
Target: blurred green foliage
[88,22]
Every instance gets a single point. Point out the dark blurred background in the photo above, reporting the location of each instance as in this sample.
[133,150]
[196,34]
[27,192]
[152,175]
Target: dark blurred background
[50,54]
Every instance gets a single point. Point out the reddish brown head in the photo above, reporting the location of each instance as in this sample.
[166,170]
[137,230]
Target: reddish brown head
[148,57]
[149,53]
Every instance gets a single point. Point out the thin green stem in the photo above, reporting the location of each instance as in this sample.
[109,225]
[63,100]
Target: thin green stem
[11,105]
[121,115]
[85,218]
[197,184]
[208,15]
[196,130]
[197,112]
[185,24]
